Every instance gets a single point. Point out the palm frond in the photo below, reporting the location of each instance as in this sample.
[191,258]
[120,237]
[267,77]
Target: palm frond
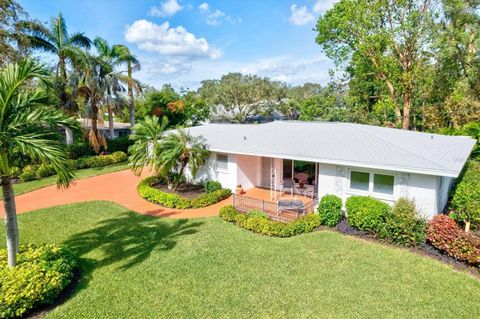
[80,39]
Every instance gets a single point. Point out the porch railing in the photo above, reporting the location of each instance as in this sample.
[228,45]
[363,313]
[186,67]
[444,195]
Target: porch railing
[272,209]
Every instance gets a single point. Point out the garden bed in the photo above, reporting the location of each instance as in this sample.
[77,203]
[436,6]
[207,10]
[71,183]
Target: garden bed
[154,189]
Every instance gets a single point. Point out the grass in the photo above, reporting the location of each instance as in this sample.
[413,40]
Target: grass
[137,266]
[26,187]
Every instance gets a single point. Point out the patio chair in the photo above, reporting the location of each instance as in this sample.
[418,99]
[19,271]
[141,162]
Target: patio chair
[309,191]
[285,189]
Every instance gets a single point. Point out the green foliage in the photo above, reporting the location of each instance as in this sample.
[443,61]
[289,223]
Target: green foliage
[404,225]
[45,170]
[258,222]
[444,234]
[15,171]
[471,129]
[119,144]
[27,176]
[78,150]
[330,210]
[211,186]
[366,213]
[173,200]
[101,160]
[466,197]
[40,275]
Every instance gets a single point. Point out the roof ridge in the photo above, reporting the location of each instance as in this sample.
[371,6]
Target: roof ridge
[403,148]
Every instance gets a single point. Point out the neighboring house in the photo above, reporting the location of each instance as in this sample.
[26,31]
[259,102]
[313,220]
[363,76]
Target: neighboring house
[336,158]
[119,129]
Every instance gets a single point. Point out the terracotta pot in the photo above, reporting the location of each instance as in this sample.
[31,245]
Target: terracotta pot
[239,190]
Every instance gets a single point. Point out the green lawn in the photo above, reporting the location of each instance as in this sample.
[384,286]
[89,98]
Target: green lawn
[138,266]
[26,187]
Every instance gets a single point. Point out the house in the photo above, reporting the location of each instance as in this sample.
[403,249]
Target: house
[336,158]
[119,129]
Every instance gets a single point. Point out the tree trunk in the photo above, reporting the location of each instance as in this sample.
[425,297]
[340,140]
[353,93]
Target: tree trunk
[407,104]
[467,227]
[10,220]
[131,102]
[68,136]
[63,69]
[111,128]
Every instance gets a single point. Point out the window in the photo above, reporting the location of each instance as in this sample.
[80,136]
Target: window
[383,184]
[222,162]
[359,180]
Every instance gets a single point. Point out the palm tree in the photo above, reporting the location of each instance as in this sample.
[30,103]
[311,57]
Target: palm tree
[109,58]
[132,63]
[146,136]
[68,48]
[175,152]
[29,126]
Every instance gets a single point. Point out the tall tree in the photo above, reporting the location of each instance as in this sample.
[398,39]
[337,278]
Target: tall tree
[68,49]
[235,96]
[392,36]
[30,127]
[133,64]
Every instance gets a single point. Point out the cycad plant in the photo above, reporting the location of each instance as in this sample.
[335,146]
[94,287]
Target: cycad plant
[30,127]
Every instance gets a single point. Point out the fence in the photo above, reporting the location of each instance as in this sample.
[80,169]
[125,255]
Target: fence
[272,209]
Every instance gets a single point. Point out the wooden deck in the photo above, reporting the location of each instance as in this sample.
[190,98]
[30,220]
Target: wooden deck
[262,200]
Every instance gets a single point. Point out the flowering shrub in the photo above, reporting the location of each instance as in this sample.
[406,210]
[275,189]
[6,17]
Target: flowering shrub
[41,273]
[444,234]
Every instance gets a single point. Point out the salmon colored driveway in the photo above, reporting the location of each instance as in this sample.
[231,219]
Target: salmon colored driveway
[119,187]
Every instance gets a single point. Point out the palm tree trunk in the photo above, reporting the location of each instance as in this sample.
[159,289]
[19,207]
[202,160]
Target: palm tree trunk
[131,102]
[10,220]
[111,128]
[68,136]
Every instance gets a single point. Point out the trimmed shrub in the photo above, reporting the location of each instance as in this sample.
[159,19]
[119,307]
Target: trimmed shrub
[27,176]
[330,210]
[118,157]
[30,169]
[40,275]
[466,198]
[404,225]
[170,200]
[445,235]
[15,172]
[258,222]
[45,170]
[366,213]
[211,186]
[77,150]
[119,144]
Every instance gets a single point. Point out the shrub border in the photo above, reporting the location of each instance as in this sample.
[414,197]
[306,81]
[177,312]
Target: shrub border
[260,224]
[170,200]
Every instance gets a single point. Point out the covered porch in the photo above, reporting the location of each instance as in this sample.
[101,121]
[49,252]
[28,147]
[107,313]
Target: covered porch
[278,206]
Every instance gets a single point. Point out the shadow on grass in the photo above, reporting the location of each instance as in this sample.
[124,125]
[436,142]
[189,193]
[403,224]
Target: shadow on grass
[126,240]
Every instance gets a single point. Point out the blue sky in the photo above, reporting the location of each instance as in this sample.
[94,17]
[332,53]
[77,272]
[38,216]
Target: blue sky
[184,42]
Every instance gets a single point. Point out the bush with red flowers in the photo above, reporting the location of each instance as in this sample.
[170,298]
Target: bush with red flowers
[445,235]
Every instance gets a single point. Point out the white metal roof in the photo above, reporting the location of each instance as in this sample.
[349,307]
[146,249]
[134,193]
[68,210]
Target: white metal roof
[343,144]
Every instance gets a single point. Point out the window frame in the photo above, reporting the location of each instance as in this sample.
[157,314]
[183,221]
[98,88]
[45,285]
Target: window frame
[221,169]
[370,191]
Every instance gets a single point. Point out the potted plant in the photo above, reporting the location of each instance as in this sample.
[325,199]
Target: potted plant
[239,189]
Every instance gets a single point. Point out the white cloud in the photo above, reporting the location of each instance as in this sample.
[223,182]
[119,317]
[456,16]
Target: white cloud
[323,5]
[166,9]
[300,15]
[166,40]
[215,17]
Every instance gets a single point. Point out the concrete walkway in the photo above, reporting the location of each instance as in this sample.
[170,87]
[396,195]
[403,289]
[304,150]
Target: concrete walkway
[119,187]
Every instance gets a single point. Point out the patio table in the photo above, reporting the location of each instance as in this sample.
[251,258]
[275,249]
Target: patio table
[291,205]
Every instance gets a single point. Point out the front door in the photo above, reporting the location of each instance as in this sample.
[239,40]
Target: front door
[266,174]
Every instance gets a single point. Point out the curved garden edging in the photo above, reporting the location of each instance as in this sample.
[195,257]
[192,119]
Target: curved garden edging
[170,200]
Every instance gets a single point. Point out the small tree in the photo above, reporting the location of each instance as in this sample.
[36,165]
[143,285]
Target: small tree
[466,202]
[31,128]
[175,152]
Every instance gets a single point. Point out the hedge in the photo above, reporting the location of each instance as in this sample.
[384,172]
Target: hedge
[171,200]
[82,149]
[445,235]
[466,198]
[330,210]
[40,275]
[258,222]
[366,213]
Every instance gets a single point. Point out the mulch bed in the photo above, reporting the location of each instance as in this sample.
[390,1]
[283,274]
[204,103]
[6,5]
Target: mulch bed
[424,249]
[187,190]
